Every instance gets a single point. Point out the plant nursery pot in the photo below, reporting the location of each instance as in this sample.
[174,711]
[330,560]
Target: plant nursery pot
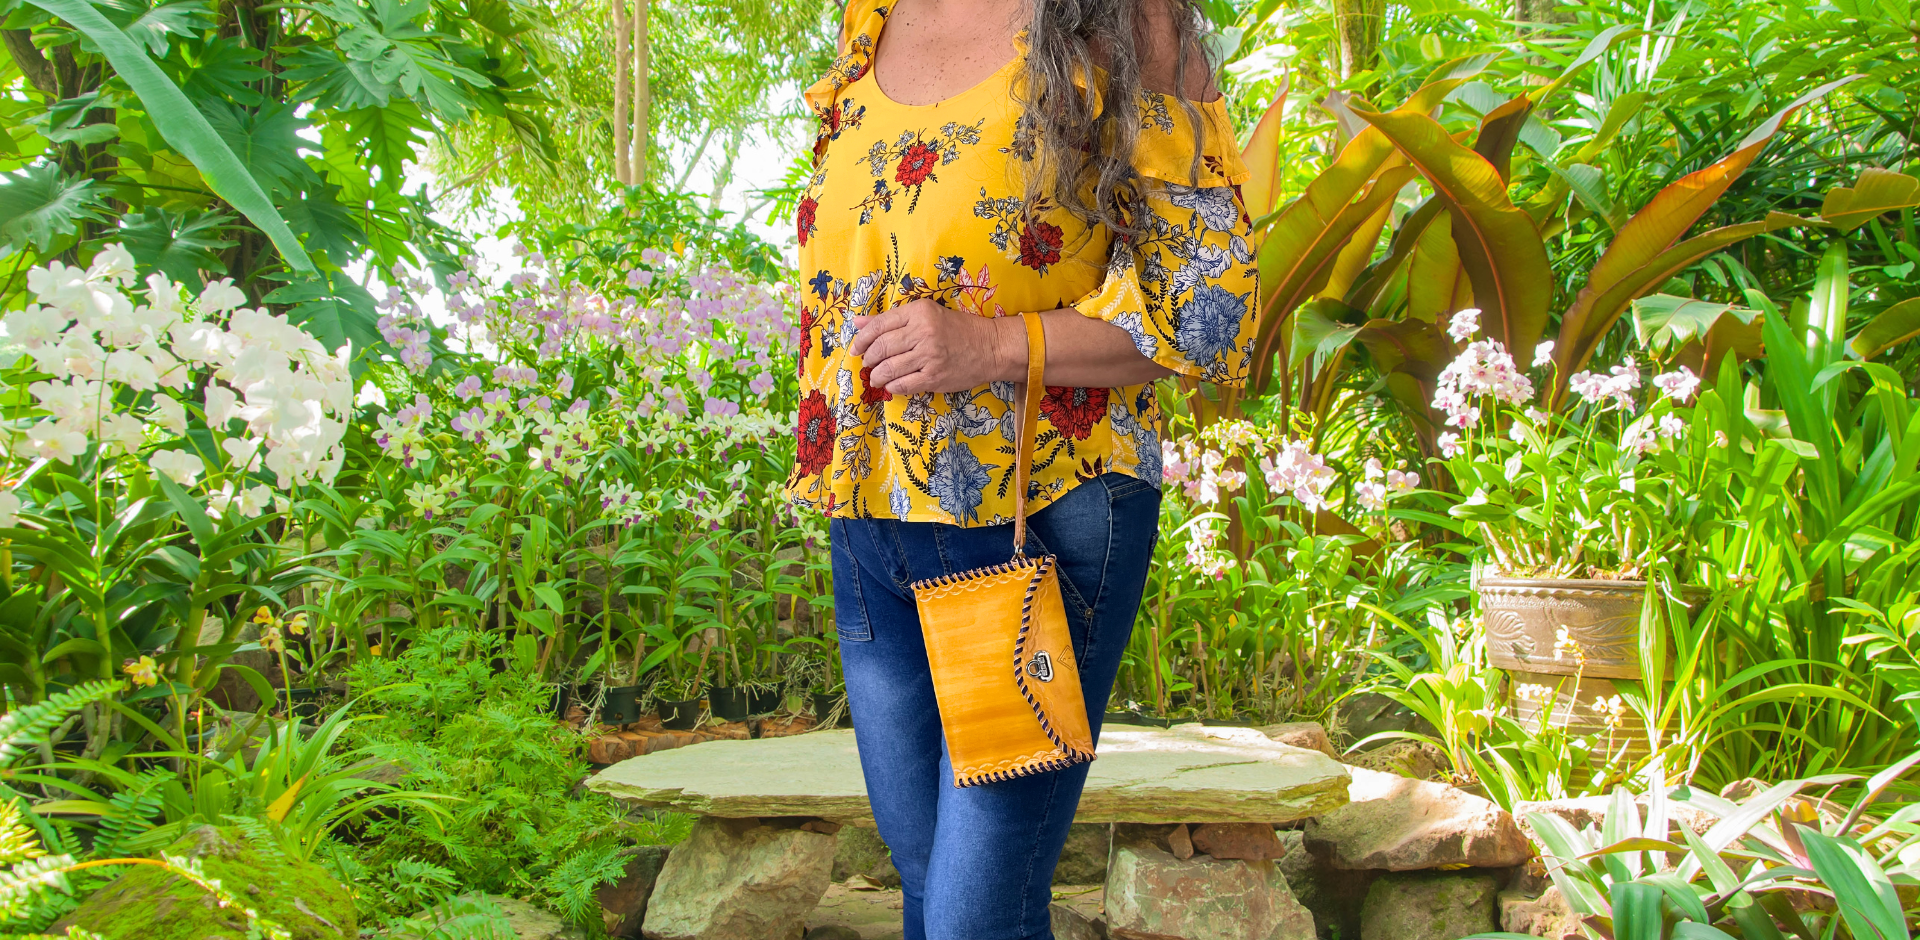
[303,704]
[1524,617]
[729,703]
[766,701]
[825,702]
[679,716]
[622,705]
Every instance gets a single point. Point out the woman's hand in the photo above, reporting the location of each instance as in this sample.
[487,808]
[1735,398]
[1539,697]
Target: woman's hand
[921,346]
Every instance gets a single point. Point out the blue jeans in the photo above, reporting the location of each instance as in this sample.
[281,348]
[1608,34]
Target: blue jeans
[977,863]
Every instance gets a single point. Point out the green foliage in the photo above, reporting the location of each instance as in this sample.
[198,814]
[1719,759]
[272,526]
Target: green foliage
[514,824]
[1748,874]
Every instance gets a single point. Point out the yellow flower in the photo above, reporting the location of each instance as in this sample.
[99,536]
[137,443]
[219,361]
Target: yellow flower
[143,671]
[1614,708]
[298,625]
[1565,645]
[374,649]
[263,615]
[1533,692]
[270,640]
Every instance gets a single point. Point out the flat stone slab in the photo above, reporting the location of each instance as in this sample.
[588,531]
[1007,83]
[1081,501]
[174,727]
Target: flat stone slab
[1187,773]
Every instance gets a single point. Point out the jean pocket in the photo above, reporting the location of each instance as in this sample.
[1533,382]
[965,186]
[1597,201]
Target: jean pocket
[1120,486]
[849,603]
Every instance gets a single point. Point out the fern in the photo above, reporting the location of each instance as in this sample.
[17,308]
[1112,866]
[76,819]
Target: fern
[130,813]
[18,841]
[28,726]
[572,886]
[456,919]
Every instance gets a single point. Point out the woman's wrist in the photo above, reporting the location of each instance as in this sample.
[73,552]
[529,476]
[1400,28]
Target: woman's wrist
[1009,355]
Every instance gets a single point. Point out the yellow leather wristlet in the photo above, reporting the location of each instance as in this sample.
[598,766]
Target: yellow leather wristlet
[998,642]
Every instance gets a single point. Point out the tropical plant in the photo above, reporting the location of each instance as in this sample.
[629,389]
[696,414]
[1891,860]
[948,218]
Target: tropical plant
[36,887]
[156,123]
[1776,863]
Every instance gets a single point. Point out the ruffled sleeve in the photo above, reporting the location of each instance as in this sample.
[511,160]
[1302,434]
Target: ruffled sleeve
[1186,288]
[859,30]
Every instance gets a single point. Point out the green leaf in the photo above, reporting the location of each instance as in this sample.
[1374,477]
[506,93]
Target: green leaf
[1864,893]
[39,204]
[1636,911]
[1500,246]
[380,53]
[1888,328]
[1875,193]
[328,225]
[268,143]
[389,135]
[222,71]
[333,309]
[182,125]
[178,245]
[151,25]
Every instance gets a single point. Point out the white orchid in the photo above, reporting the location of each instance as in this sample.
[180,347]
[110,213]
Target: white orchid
[48,440]
[178,465]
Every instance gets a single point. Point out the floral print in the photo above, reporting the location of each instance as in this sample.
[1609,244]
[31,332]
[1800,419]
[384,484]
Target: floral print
[913,157]
[910,203]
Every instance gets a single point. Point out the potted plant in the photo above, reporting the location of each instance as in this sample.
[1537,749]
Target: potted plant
[1574,508]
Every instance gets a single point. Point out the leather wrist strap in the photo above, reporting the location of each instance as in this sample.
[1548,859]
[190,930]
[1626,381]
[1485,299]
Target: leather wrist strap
[1027,427]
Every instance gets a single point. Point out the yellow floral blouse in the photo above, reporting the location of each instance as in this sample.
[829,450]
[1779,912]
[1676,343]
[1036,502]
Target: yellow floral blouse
[913,201]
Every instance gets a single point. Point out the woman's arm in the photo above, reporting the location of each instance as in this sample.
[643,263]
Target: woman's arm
[921,346]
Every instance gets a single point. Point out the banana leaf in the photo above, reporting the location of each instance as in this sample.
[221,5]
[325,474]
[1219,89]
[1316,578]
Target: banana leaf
[182,124]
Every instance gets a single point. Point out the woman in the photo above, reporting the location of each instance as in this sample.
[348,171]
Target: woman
[967,170]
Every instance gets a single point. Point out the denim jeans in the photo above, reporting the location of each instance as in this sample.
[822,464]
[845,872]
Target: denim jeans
[977,863]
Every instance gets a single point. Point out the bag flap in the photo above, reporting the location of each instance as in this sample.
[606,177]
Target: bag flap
[1045,669]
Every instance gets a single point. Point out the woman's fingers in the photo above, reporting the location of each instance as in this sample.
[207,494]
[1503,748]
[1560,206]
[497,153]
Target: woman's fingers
[869,329]
[885,371]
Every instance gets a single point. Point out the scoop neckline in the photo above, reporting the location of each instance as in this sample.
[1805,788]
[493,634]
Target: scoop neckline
[873,74]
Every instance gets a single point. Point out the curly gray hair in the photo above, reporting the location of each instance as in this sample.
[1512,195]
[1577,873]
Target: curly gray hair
[1074,147]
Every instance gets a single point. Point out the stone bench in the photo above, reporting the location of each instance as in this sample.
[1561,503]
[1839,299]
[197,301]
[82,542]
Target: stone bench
[758,861]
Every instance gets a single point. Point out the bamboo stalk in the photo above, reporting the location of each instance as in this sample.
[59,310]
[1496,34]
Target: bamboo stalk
[622,91]
[642,96]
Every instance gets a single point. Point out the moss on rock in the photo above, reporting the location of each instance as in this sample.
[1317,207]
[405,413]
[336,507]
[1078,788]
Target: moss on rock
[149,903]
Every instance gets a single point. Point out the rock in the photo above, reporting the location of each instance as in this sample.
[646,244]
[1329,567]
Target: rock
[1358,717]
[531,923]
[623,904]
[1070,923]
[1180,842]
[859,851]
[1545,916]
[875,915]
[884,874]
[1308,734]
[151,903]
[1332,895]
[1396,824]
[1168,775]
[833,932]
[735,879]
[1152,895]
[1253,842]
[1416,759]
[1083,861]
[1428,906]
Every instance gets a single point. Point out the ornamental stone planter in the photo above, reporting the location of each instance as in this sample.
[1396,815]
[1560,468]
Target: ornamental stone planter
[1523,619]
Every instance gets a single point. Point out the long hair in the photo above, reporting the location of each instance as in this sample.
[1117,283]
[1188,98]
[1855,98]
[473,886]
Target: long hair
[1082,153]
